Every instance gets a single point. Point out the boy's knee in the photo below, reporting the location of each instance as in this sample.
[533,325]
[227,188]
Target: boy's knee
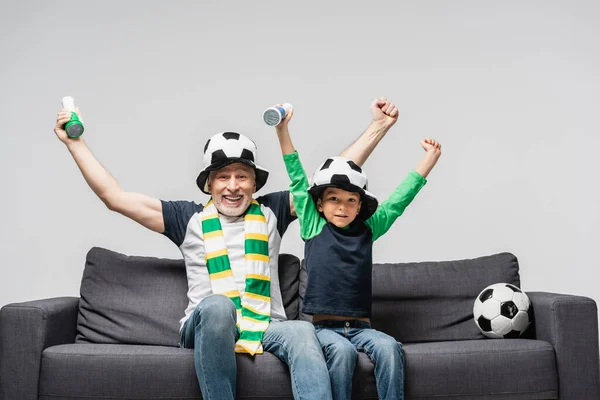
[341,349]
[389,349]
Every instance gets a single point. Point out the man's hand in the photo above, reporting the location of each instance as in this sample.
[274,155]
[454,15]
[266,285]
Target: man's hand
[384,112]
[61,119]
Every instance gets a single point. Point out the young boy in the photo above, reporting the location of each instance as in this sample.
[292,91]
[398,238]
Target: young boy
[339,221]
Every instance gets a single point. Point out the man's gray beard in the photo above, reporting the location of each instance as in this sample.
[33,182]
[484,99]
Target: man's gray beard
[228,212]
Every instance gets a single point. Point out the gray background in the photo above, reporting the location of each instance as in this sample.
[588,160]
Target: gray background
[511,89]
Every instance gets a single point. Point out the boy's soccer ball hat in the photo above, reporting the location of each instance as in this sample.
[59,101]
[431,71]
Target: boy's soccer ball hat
[342,173]
[227,148]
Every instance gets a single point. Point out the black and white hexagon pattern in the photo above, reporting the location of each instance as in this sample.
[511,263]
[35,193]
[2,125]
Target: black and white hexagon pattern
[502,310]
[228,145]
[340,171]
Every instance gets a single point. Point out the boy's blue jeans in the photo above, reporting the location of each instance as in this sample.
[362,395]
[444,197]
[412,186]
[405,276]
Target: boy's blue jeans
[212,333]
[340,341]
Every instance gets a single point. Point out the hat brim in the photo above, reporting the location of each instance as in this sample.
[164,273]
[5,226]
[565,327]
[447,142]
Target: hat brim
[260,173]
[368,200]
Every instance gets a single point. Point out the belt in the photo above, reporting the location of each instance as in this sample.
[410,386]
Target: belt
[348,323]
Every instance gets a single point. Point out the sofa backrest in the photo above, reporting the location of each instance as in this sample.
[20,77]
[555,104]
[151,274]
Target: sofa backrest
[433,301]
[140,300]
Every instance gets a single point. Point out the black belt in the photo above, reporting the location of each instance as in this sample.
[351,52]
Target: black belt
[347,323]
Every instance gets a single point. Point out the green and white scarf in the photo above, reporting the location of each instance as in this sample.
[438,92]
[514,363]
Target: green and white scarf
[254,307]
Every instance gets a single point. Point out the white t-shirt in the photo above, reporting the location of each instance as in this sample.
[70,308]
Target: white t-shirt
[183,225]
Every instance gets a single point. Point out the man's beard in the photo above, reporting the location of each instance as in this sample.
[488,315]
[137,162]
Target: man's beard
[230,211]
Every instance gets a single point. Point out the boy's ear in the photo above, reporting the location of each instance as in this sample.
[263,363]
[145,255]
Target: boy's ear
[319,205]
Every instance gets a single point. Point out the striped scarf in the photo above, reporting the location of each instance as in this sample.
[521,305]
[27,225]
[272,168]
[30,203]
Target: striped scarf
[254,307]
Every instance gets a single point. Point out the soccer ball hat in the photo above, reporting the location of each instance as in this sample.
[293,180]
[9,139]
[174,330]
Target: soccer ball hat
[342,173]
[227,148]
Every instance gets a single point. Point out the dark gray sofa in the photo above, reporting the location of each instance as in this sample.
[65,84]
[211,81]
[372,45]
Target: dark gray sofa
[118,340]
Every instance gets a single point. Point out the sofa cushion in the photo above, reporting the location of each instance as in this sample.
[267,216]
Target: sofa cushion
[515,369]
[140,300]
[289,280]
[137,300]
[104,371]
[433,301]
[496,369]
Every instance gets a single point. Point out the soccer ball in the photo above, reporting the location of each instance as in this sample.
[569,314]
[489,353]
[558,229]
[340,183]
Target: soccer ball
[502,310]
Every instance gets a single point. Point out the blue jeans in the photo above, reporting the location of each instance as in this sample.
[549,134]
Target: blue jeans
[340,342]
[212,333]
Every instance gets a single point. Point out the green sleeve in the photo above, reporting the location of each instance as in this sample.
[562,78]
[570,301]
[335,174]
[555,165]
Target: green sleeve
[309,218]
[394,206]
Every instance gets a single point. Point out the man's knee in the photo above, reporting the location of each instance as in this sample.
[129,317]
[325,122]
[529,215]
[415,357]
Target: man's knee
[216,310]
[296,336]
[301,331]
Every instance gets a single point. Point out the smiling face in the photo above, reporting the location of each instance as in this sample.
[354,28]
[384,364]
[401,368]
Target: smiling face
[339,206]
[231,188]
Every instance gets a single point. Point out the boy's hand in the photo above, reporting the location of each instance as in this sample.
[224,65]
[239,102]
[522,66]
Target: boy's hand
[287,118]
[384,112]
[61,119]
[431,146]
[434,150]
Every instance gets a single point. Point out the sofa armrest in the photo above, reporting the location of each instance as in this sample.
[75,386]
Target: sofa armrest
[570,324]
[26,329]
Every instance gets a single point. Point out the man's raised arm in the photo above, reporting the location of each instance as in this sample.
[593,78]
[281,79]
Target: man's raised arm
[140,208]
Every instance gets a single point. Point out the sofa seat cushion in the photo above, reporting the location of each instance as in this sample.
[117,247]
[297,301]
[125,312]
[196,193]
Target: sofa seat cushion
[103,371]
[515,369]
[512,369]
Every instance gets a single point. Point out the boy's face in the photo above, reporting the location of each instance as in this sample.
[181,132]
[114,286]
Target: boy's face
[339,206]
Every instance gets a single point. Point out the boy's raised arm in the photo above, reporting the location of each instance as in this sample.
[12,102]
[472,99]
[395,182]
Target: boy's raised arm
[283,134]
[385,115]
[433,150]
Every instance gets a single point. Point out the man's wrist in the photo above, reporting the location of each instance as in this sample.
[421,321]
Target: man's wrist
[74,144]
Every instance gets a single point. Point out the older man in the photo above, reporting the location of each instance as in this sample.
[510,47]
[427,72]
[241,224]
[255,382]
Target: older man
[231,247]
